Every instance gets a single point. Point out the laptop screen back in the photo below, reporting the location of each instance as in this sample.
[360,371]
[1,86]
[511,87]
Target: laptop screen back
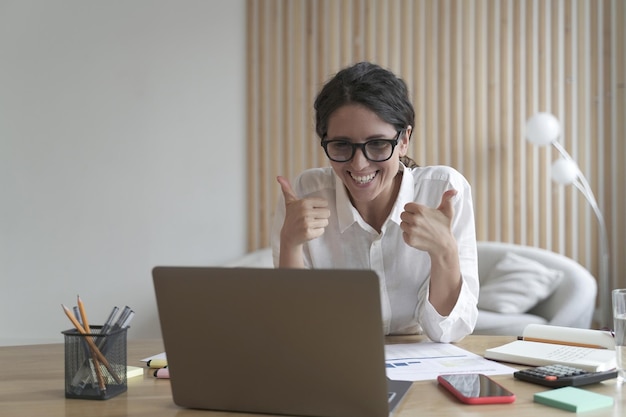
[280,341]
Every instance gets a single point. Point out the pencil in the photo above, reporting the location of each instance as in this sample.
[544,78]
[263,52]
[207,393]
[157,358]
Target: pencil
[560,342]
[83,315]
[91,344]
[96,363]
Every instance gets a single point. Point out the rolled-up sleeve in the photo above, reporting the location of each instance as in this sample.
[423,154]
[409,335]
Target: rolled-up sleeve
[462,319]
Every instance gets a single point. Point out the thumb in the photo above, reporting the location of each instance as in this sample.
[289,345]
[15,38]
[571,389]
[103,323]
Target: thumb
[288,192]
[446,206]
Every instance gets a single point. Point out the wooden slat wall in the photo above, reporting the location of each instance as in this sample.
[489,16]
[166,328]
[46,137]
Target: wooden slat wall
[477,70]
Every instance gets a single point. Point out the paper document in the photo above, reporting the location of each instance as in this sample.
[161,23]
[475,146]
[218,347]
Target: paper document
[426,360]
[157,356]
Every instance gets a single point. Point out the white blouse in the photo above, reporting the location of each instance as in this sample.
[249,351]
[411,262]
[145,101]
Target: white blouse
[404,272]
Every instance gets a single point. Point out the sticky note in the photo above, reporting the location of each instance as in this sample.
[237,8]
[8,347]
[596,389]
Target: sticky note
[132,371]
[573,399]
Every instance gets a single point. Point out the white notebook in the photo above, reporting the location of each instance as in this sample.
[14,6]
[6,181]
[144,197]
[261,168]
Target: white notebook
[546,345]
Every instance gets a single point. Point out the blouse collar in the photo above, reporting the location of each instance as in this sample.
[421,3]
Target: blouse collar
[347,214]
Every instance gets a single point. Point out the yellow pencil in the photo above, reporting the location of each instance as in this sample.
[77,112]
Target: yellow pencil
[83,314]
[561,342]
[96,363]
[91,344]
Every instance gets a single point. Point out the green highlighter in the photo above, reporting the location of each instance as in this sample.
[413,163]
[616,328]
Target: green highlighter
[573,399]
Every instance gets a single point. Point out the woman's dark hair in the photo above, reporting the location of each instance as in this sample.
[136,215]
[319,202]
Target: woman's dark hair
[371,86]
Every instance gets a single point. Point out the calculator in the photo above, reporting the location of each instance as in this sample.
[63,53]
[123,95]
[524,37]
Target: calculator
[557,376]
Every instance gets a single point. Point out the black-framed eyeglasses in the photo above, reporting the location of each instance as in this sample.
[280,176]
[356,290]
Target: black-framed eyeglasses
[375,150]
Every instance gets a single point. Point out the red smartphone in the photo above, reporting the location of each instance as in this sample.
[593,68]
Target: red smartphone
[476,389]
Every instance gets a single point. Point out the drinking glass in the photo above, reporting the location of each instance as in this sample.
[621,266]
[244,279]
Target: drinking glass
[619,323]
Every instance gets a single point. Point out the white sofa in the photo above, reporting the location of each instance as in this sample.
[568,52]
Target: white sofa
[570,305]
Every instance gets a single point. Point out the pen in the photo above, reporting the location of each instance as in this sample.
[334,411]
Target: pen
[92,345]
[122,318]
[77,314]
[130,316]
[120,325]
[559,342]
[109,322]
[106,327]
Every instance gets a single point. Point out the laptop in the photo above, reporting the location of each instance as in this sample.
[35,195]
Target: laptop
[277,341]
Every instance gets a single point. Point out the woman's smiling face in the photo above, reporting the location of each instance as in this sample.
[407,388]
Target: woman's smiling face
[365,180]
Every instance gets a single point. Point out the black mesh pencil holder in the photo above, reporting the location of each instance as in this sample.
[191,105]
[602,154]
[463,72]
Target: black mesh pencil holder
[95,364]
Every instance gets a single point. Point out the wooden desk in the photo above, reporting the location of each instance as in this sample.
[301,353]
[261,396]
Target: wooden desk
[32,384]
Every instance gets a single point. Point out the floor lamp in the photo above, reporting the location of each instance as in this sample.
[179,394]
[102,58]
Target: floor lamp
[544,129]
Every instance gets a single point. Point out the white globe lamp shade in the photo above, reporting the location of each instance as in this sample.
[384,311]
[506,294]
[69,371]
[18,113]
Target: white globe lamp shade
[543,129]
[564,171]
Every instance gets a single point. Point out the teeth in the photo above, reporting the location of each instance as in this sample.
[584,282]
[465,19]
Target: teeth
[363,179]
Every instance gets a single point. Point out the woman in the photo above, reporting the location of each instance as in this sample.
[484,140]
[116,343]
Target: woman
[413,226]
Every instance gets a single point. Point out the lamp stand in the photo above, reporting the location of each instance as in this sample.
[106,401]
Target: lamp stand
[604,313]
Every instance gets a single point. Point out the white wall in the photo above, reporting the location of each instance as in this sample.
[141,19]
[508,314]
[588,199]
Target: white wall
[121,147]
